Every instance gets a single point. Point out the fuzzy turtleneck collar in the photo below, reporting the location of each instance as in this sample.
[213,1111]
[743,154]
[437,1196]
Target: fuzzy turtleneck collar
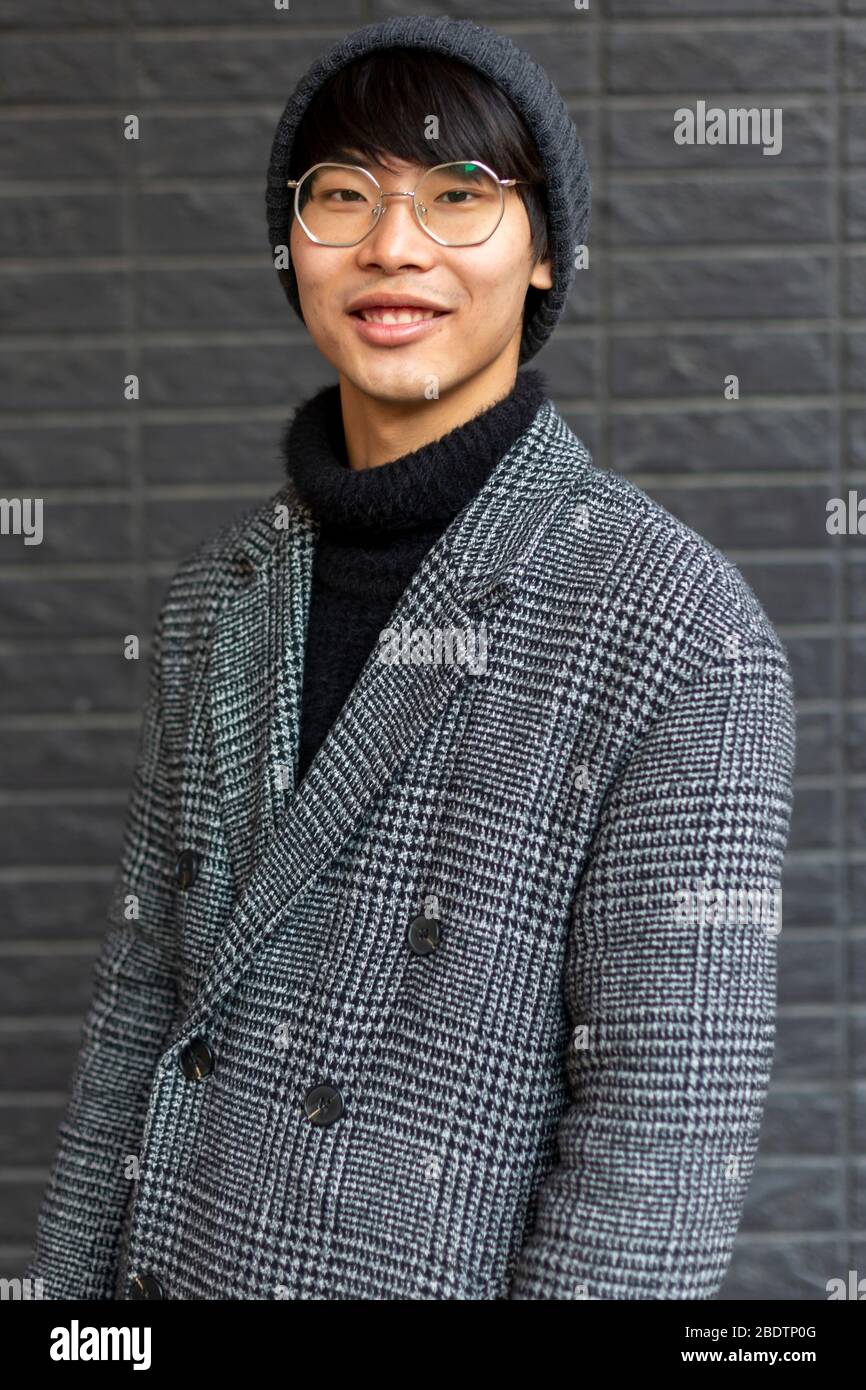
[421,489]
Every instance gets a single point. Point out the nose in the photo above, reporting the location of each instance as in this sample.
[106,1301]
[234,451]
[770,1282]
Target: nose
[397,239]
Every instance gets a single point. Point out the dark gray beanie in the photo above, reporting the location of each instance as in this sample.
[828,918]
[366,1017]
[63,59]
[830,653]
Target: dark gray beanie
[522,79]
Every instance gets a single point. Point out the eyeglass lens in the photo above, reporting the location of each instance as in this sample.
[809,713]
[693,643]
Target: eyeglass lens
[459,203]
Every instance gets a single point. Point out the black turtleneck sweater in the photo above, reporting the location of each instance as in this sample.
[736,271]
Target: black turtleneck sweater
[376,525]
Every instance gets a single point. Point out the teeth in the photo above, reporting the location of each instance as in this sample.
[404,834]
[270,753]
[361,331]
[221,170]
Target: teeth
[396,315]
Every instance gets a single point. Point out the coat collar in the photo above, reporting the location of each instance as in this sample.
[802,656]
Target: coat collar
[250,673]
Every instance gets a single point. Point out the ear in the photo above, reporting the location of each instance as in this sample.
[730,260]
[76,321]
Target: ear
[542,274]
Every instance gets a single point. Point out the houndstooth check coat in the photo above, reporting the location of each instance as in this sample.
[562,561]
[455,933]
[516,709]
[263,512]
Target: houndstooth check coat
[429,1025]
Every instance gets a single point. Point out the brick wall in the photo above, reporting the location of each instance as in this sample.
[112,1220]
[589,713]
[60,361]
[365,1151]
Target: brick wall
[150,257]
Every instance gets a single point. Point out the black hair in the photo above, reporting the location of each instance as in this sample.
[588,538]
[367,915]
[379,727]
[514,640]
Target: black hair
[379,105]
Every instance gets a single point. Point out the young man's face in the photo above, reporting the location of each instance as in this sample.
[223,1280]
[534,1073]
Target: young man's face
[482,287]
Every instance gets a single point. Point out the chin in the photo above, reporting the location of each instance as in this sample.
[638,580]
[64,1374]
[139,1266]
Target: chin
[410,380]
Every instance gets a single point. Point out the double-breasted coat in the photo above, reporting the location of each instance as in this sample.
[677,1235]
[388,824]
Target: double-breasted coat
[451,1018]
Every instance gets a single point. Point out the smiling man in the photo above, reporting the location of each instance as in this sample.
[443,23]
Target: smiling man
[398,999]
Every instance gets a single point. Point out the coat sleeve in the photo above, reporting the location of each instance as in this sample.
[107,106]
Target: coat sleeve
[80,1221]
[671,998]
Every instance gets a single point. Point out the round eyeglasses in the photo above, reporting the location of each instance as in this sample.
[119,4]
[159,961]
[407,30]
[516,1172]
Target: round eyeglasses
[457,204]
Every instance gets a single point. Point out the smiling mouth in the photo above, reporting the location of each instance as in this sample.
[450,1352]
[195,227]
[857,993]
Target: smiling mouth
[398,315]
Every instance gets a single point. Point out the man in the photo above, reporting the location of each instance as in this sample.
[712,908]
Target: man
[434,969]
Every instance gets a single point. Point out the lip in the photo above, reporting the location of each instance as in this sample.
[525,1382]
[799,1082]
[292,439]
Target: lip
[391,299]
[396,334]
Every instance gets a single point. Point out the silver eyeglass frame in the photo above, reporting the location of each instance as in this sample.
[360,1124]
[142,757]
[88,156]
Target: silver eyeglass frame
[380,207]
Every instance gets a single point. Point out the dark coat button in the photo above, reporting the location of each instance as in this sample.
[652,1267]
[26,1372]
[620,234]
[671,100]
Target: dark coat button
[323,1105]
[196,1060]
[424,935]
[145,1286]
[246,567]
[186,868]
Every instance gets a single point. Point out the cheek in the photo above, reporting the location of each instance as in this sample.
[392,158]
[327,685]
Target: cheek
[503,277]
[317,272]
[308,268]
[298,254]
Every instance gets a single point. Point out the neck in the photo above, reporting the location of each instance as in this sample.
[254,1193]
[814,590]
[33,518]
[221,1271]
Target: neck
[378,430]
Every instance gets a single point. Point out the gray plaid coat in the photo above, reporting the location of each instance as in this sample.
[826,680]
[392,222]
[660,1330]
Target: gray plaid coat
[459,1017]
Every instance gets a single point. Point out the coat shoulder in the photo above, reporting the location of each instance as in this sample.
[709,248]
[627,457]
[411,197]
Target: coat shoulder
[208,576]
[251,532]
[671,588]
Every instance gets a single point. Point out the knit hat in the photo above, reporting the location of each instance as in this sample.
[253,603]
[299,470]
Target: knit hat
[533,94]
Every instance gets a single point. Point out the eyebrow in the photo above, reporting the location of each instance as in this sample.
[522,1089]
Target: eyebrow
[355,158]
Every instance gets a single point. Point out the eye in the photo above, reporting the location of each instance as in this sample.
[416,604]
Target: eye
[461,193]
[352,193]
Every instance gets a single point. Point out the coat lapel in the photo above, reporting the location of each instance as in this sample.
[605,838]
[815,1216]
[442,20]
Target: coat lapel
[255,674]
[280,836]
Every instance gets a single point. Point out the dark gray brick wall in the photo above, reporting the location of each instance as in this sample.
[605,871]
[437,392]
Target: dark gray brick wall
[705,261]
